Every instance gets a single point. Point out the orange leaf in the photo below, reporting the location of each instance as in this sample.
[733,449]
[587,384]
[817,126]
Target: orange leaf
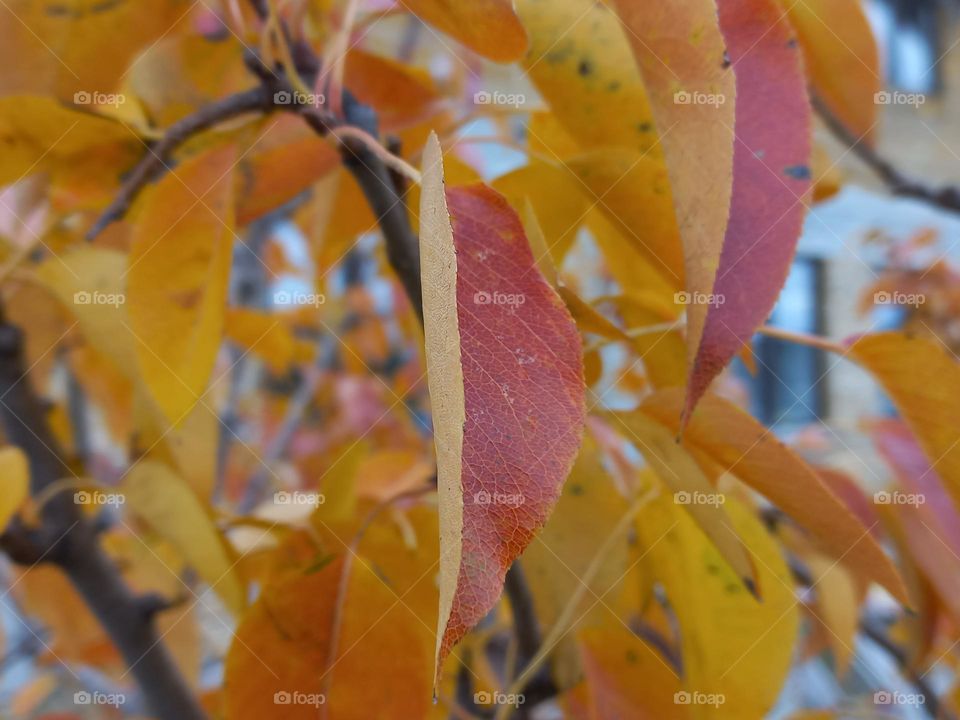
[489,27]
[740,445]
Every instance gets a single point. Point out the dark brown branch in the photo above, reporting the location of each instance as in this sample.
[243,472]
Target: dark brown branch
[947,197]
[67,539]
[385,199]
[154,163]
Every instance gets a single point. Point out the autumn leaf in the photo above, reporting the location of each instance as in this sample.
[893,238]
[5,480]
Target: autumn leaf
[683,59]
[15,478]
[737,649]
[507,395]
[842,59]
[489,27]
[734,441]
[168,505]
[771,183]
[922,378]
[691,488]
[278,666]
[177,278]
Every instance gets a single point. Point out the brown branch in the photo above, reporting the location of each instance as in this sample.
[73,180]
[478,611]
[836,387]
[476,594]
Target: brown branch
[947,197]
[68,540]
[154,163]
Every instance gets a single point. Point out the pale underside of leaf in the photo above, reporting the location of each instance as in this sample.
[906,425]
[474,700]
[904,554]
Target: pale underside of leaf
[438,270]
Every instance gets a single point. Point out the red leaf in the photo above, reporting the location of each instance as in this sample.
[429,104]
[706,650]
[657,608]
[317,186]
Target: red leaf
[508,434]
[771,178]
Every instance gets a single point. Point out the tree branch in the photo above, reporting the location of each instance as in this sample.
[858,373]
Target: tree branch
[947,197]
[67,539]
[154,163]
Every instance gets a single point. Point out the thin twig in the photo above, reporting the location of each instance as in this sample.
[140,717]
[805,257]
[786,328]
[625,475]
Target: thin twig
[154,163]
[947,197]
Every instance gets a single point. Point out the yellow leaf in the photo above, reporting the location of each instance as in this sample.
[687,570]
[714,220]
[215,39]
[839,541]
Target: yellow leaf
[837,607]
[727,437]
[692,490]
[842,59]
[90,282]
[78,49]
[557,559]
[15,479]
[267,336]
[170,507]
[581,63]
[923,380]
[178,274]
[736,649]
